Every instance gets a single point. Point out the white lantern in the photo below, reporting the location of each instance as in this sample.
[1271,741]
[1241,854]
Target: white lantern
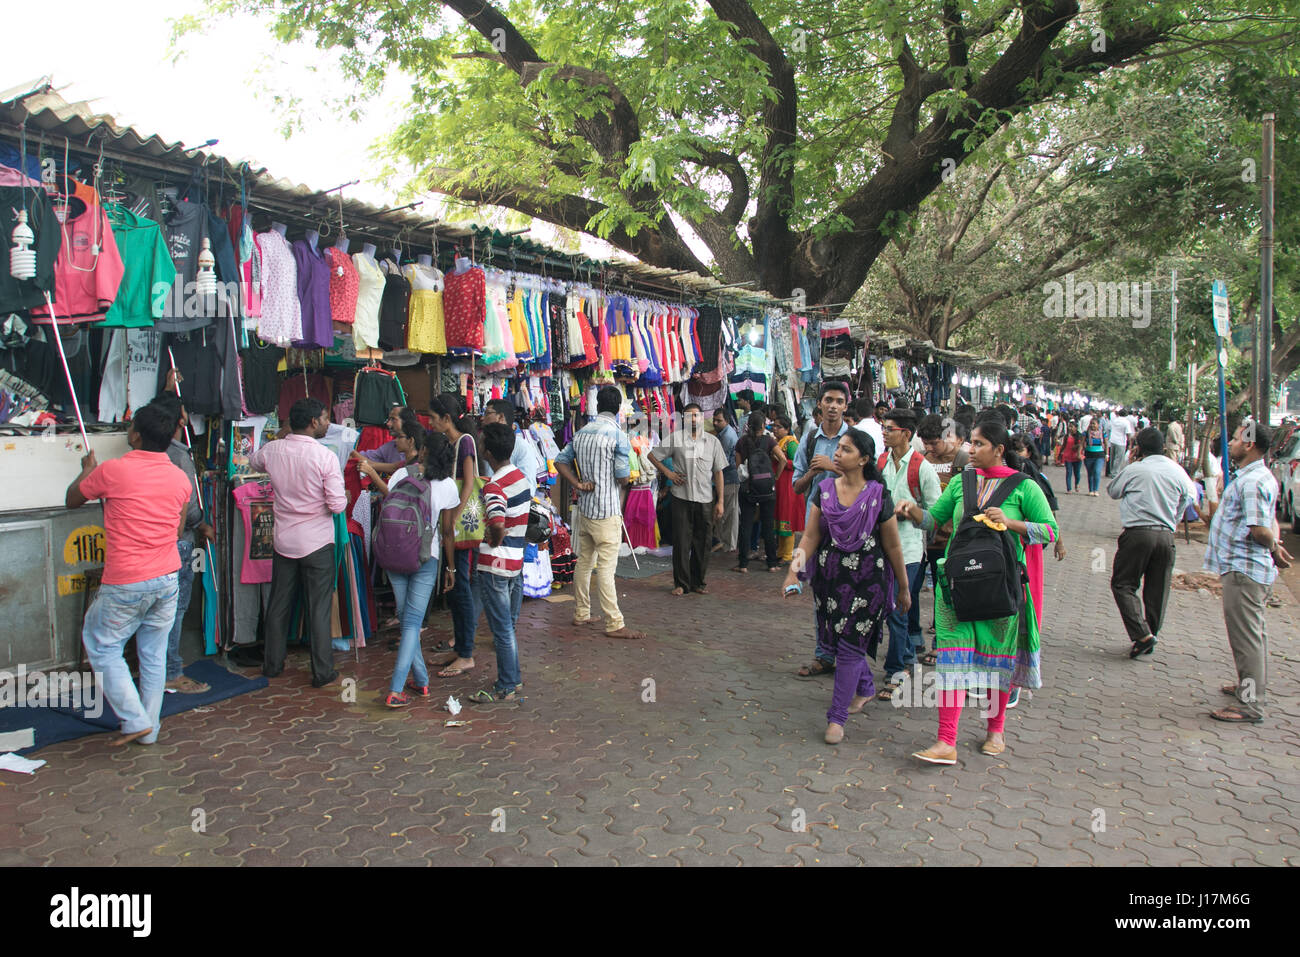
[22,260]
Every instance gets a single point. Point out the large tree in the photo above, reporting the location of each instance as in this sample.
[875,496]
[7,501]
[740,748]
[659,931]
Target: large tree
[791,139]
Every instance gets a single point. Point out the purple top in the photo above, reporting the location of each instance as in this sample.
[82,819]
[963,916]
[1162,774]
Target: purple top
[314,295]
[387,453]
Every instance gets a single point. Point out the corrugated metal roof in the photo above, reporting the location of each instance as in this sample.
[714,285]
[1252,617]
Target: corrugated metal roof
[38,108]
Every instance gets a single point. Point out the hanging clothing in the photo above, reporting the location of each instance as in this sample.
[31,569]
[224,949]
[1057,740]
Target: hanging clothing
[256,504]
[313,297]
[375,392]
[393,307]
[427,325]
[185,228]
[281,321]
[464,303]
[146,265]
[345,286]
[88,270]
[258,365]
[17,295]
[370,293]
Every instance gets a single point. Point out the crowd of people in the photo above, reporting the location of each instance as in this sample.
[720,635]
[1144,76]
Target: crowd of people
[869,505]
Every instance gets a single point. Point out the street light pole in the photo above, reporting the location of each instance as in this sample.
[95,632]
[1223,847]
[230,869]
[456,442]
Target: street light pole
[1173,323]
[1265,341]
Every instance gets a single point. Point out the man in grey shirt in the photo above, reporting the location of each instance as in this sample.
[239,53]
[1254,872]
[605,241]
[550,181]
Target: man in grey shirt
[697,497]
[196,534]
[1153,493]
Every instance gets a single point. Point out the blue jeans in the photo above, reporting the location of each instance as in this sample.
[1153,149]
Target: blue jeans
[412,593]
[464,614]
[1094,472]
[185,586]
[905,629]
[1073,473]
[501,598]
[145,609]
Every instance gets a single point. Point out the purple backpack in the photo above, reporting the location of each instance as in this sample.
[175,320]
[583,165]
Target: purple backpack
[404,536]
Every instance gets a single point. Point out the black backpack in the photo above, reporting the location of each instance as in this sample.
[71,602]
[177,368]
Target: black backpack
[985,580]
[760,485]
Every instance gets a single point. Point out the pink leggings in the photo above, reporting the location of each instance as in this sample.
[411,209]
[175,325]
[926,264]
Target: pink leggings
[950,705]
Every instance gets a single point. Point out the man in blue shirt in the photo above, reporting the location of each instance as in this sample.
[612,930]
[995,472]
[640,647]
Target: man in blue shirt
[812,464]
[500,411]
[1245,550]
[600,453]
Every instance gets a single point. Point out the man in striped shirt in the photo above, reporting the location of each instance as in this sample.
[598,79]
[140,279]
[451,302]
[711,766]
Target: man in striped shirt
[601,453]
[498,579]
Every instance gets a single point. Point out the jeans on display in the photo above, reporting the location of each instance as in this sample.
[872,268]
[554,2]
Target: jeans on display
[412,594]
[501,598]
[1094,473]
[1073,475]
[905,629]
[185,587]
[464,617]
[145,609]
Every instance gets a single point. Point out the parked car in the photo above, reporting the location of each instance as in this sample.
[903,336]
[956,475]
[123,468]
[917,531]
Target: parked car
[1285,464]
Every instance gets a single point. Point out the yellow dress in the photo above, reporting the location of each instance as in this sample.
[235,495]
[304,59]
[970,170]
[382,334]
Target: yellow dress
[426,329]
[519,324]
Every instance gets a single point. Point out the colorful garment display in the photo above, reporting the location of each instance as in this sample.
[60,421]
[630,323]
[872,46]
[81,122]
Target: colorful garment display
[426,325]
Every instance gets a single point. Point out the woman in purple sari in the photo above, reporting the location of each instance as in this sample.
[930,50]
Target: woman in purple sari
[851,552]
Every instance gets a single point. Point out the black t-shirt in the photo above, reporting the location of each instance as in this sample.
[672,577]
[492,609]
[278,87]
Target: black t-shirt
[746,445]
[261,380]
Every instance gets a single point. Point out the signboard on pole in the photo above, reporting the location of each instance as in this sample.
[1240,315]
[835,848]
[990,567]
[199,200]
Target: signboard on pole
[1219,291]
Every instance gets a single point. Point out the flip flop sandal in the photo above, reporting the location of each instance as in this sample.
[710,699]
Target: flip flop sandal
[818,667]
[454,672]
[1239,718]
[930,659]
[887,692]
[1229,690]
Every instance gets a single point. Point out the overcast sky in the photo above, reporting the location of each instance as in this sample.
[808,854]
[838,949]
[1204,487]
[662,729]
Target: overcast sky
[221,87]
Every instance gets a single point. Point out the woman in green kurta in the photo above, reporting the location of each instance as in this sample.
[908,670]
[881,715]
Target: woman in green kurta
[995,655]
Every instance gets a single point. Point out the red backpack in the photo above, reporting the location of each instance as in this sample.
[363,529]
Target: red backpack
[913,472]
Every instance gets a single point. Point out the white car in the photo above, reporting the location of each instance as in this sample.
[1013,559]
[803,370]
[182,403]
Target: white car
[1286,468]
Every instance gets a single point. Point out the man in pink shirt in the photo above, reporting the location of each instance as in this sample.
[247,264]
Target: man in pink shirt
[145,503]
[309,491]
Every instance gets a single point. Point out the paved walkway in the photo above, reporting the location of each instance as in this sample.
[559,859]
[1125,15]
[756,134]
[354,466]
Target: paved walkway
[1113,762]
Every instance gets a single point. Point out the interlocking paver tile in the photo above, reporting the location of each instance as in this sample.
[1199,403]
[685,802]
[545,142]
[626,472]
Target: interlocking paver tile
[713,772]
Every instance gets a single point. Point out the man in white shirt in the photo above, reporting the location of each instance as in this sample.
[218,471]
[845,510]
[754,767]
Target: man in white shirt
[867,423]
[907,482]
[1121,429]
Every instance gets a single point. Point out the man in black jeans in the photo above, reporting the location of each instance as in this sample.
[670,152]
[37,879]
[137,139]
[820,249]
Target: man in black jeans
[755,500]
[697,497]
[308,483]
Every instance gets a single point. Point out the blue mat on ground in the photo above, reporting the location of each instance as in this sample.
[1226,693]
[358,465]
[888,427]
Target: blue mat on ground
[55,724]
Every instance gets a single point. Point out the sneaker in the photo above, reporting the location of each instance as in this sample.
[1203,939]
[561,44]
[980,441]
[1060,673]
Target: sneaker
[1014,699]
[420,691]
[396,699]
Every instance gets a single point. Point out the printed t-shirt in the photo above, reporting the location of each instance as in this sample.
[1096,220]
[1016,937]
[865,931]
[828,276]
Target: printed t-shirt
[256,503]
[143,495]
